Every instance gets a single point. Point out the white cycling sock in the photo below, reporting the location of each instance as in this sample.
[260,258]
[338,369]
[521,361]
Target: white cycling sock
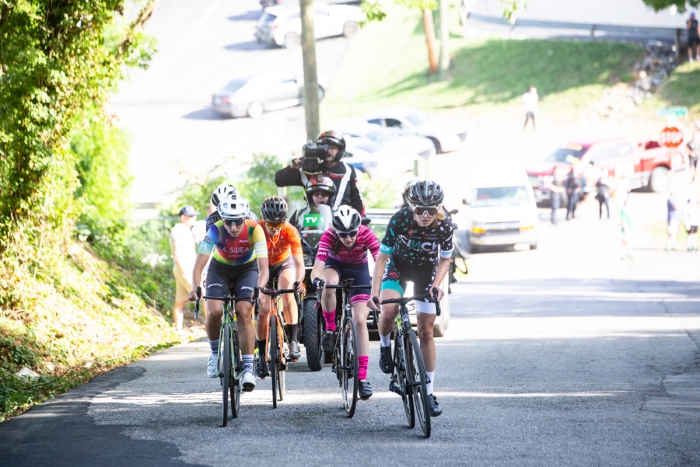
[429,385]
[385,341]
[214,346]
[248,362]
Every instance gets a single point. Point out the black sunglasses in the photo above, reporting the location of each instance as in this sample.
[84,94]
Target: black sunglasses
[235,222]
[347,234]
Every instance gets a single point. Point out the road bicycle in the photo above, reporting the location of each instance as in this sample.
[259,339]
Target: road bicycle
[345,364]
[229,361]
[408,378]
[276,354]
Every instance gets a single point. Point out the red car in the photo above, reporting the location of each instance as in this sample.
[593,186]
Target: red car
[645,163]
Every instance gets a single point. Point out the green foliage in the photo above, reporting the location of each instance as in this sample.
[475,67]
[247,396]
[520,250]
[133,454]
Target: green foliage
[680,4]
[258,182]
[681,89]
[377,193]
[102,162]
[197,195]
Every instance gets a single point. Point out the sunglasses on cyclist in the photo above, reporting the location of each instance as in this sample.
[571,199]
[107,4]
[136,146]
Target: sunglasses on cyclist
[274,225]
[421,211]
[235,222]
[347,234]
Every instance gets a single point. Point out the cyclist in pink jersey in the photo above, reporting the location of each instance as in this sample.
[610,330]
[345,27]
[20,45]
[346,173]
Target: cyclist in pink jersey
[342,254]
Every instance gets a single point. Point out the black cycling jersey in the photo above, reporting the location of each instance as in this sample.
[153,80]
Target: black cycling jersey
[406,241]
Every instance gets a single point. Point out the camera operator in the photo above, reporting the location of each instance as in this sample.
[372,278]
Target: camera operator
[324,158]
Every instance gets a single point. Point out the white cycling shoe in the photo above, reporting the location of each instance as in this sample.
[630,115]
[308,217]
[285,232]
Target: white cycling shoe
[248,381]
[212,370]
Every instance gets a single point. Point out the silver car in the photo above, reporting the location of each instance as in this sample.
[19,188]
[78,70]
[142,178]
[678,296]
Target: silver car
[254,94]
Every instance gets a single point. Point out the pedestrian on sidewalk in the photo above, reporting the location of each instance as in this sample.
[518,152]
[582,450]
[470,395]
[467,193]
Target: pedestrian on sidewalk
[555,185]
[693,156]
[673,219]
[623,187]
[530,99]
[183,249]
[691,219]
[572,186]
[603,197]
[693,37]
[626,228]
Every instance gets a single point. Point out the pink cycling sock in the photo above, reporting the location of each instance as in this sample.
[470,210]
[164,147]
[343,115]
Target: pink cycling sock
[329,316]
[362,363]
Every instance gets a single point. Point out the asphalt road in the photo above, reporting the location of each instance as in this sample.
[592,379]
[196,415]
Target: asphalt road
[563,355]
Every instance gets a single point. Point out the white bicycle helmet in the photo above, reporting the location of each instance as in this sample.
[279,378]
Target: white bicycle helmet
[222,191]
[233,207]
[346,219]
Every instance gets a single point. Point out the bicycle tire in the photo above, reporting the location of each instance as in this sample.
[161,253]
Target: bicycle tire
[273,358]
[349,367]
[313,329]
[415,372]
[226,363]
[236,378]
[406,390]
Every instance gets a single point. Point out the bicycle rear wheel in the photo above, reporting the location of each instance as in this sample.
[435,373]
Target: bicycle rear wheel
[225,367]
[274,358]
[406,390]
[349,367]
[415,373]
[236,376]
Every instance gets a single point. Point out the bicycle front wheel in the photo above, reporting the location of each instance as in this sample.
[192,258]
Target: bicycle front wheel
[405,389]
[225,367]
[274,359]
[236,376]
[415,374]
[349,367]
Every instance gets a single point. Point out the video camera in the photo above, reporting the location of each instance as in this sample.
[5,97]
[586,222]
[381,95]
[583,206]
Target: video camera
[312,155]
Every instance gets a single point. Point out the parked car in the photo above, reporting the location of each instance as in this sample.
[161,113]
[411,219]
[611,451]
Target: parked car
[254,94]
[446,134]
[500,210]
[379,219]
[281,25]
[383,152]
[645,163]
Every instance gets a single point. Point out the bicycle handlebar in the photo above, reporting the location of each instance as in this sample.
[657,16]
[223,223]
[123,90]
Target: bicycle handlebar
[226,298]
[432,296]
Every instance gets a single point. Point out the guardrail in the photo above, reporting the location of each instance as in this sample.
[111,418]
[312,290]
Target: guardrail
[670,33]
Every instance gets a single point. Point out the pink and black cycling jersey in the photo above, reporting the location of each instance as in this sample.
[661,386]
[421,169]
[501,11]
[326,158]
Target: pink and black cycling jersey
[366,240]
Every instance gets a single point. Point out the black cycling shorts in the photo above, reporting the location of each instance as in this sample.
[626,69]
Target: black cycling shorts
[693,229]
[221,276]
[693,42]
[397,273]
[358,272]
[277,269]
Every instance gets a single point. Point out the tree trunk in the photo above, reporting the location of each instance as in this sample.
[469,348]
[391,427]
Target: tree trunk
[308,50]
[429,29]
[444,39]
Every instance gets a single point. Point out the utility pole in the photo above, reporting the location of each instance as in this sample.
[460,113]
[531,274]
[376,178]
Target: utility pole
[308,51]
[429,29]
[444,39]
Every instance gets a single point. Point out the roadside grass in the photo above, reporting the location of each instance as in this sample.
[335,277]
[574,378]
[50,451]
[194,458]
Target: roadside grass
[387,65]
[681,89]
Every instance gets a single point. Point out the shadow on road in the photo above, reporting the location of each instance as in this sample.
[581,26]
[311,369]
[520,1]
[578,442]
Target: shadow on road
[247,46]
[252,15]
[204,114]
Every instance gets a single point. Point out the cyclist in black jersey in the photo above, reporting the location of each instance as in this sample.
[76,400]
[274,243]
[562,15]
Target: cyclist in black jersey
[417,247]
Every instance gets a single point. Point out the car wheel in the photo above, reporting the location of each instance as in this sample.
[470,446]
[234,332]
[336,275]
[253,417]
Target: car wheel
[533,246]
[292,40]
[255,109]
[350,29]
[436,143]
[321,93]
[659,180]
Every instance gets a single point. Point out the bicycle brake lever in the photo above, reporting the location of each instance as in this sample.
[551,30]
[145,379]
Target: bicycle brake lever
[436,301]
[196,303]
[375,316]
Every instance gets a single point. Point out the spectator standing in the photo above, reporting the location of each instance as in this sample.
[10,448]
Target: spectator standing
[556,188]
[623,188]
[626,228]
[691,219]
[603,197]
[693,37]
[693,156]
[183,249]
[530,99]
[673,219]
[572,186]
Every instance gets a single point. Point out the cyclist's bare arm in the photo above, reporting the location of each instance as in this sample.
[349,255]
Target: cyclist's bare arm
[199,264]
[379,266]
[301,270]
[443,268]
[264,271]
[318,269]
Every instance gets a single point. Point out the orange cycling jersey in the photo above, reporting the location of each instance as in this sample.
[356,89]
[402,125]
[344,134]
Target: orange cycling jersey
[283,245]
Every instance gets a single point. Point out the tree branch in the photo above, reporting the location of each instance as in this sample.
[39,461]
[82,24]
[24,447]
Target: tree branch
[137,26]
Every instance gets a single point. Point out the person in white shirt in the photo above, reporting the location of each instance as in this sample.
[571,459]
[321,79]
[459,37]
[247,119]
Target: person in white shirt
[530,99]
[691,219]
[183,248]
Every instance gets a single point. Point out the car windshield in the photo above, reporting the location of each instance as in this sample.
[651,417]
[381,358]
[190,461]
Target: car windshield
[234,85]
[368,147]
[500,196]
[379,136]
[268,18]
[417,118]
[567,153]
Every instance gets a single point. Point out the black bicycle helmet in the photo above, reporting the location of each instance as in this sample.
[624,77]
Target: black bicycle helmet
[319,183]
[346,219]
[426,193]
[274,209]
[335,138]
